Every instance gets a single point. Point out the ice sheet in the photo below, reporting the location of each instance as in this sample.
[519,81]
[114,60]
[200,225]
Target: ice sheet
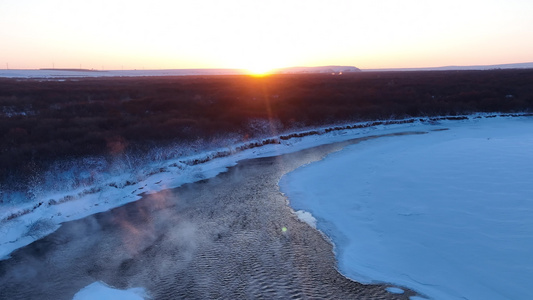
[448,214]
[101,291]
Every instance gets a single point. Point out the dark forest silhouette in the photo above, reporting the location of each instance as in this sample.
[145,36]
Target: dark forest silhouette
[43,120]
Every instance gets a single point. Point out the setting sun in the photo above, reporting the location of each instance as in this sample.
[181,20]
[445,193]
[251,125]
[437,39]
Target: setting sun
[260,62]
[259,69]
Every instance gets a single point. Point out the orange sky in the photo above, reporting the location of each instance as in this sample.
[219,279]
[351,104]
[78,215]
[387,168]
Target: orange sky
[260,35]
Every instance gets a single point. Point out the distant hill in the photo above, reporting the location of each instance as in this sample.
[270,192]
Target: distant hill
[72,72]
[528,65]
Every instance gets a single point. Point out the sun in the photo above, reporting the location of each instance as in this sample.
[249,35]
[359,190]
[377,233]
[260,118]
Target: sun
[262,62]
[260,68]
[256,59]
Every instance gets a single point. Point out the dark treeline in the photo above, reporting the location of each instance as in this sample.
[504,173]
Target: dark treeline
[45,120]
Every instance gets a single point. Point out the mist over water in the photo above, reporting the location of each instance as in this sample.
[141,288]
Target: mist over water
[217,238]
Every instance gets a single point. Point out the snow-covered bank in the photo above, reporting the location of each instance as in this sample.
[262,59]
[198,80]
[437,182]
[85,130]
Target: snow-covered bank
[23,221]
[448,214]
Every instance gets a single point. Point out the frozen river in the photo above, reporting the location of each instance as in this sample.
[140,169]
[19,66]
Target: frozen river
[448,214]
[442,208]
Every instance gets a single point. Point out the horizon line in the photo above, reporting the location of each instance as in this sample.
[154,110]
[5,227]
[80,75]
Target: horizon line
[445,67]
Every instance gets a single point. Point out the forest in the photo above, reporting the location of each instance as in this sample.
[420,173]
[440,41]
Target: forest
[45,120]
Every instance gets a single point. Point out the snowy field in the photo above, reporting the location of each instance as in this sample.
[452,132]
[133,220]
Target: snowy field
[448,214]
[58,73]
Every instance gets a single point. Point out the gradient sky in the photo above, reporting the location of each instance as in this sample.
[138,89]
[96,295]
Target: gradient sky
[135,34]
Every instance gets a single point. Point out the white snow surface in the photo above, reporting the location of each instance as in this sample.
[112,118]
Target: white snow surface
[306,217]
[101,291]
[448,214]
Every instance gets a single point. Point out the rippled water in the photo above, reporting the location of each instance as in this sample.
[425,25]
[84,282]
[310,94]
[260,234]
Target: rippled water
[219,238]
